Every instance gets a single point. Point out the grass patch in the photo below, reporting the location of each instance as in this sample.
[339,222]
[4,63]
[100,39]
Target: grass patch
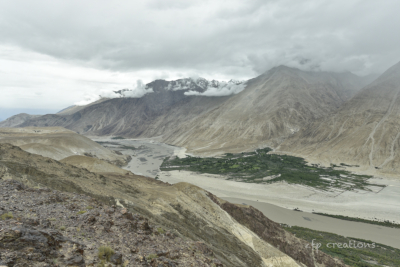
[105,253]
[160,230]
[264,168]
[386,223]
[62,228]
[81,212]
[379,255]
[6,216]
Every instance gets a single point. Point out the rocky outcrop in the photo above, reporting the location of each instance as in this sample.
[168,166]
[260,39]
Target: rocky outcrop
[42,227]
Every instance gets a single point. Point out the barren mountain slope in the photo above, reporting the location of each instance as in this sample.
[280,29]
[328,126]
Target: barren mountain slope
[75,108]
[272,107]
[184,209]
[151,115]
[365,131]
[57,143]
[17,120]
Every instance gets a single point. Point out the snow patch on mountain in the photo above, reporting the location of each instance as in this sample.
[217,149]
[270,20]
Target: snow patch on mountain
[192,86]
[216,88]
[201,86]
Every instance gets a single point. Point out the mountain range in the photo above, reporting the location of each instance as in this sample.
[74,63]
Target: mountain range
[323,116]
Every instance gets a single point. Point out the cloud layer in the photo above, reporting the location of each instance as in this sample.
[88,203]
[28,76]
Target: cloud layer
[63,44]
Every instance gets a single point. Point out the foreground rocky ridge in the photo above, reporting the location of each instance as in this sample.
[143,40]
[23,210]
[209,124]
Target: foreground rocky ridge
[43,227]
[186,211]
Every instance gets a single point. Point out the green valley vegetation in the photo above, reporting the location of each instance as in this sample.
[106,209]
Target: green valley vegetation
[353,251]
[261,167]
[386,223]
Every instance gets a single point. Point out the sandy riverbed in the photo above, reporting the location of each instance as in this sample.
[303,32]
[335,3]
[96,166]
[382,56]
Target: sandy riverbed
[147,156]
[383,205]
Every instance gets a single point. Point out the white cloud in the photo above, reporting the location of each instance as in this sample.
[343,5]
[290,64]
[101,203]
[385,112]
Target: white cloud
[137,92]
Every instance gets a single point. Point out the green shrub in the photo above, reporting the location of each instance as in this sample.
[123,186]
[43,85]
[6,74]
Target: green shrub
[62,228]
[160,230]
[105,253]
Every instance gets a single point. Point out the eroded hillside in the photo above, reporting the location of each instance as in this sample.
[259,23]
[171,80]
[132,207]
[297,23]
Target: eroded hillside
[365,131]
[58,143]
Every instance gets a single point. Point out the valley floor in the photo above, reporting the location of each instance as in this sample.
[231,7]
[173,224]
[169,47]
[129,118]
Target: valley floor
[278,200]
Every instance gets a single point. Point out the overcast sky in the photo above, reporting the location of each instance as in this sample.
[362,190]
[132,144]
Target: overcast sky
[56,53]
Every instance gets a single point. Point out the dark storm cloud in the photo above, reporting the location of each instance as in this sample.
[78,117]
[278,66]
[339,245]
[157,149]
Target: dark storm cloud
[235,38]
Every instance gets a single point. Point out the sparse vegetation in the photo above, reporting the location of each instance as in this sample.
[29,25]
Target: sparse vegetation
[62,228]
[261,167]
[128,147]
[117,138]
[81,212]
[386,223]
[160,230]
[116,144]
[372,256]
[6,216]
[105,253]
[151,256]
